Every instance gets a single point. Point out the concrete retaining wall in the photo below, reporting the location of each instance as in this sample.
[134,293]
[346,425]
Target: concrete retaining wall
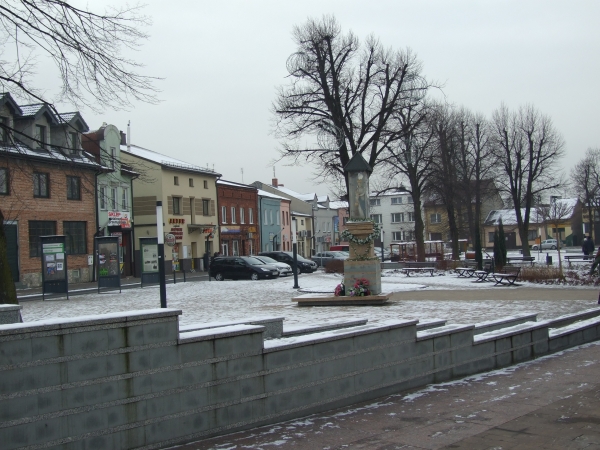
[134,380]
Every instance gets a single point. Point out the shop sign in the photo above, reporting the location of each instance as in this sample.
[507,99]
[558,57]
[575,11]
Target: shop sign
[231,229]
[119,219]
[177,232]
[176,220]
[170,239]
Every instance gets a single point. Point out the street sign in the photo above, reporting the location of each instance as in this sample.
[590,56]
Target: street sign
[170,239]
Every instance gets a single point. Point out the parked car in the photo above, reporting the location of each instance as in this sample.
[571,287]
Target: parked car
[235,267]
[322,258]
[283,268]
[304,265]
[551,244]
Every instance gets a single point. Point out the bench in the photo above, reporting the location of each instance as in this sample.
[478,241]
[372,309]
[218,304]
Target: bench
[482,275]
[579,259]
[508,274]
[520,259]
[465,272]
[418,267]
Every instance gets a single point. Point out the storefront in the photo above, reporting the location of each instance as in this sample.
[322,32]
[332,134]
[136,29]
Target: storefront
[119,225]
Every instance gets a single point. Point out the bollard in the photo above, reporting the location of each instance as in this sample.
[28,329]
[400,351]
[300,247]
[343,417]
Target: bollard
[174,277]
[548,259]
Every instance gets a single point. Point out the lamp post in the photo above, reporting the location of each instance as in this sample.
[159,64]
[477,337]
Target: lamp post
[295,253]
[161,254]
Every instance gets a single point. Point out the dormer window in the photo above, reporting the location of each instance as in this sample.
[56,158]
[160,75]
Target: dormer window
[73,143]
[3,129]
[40,136]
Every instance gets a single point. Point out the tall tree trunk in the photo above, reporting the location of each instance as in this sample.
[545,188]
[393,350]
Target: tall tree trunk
[8,293]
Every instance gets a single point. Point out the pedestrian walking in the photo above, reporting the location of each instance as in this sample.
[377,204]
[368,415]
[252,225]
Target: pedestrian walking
[587,246]
[594,265]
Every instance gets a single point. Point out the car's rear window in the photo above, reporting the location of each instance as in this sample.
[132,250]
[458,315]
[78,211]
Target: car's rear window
[253,261]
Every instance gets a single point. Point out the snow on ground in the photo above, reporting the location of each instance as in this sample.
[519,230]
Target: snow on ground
[212,301]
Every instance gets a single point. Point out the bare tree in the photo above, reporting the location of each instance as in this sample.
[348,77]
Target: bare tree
[345,93]
[555,214]
[528,148]
[86,48]
[585,177]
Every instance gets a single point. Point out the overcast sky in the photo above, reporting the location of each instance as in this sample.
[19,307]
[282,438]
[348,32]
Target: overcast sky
[222,61]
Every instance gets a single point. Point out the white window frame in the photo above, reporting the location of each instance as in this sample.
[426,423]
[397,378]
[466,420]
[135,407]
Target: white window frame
[399,216]
[124,199]
[242,215]
[377,218]
[266,214]
[396,200]
[435,218]
[251,215]
[103,198]
[223,214]
[375,202]
[233,216]
[235,248]
[411,216]
[113,199]
[396,235]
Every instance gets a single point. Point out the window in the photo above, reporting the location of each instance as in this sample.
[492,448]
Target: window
[205,207]
[266,218]
[124,199]
[435,236]
[4,181]
[301,221]
[191,182]
[283,217]
[376,218]
[276,218]
[113,199]
[39,228]
[409,199]
[375,202]
[176,181]
[103,197]
[435,218]
[491,235]
[73,188]
[532,235]
[74,144]
[75,238]
[233,215]
[40,185]
[40,136]
[113,157]
[396,200]
[242,216]
[411,216]
[223,214]
[251,215]
[205,184]
[177,205]
[396,235]
[235,249]
[397,217]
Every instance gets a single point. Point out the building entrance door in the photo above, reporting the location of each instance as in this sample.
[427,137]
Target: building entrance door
[12,243]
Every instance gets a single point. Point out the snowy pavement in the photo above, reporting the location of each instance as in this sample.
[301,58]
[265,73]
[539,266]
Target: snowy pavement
[233,300]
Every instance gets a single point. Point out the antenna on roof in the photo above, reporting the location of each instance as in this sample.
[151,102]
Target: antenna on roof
[129,135]
[274,171]
[242,170]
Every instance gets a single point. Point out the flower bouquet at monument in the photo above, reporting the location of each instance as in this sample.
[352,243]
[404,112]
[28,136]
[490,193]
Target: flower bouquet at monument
[360,288]
[340,290]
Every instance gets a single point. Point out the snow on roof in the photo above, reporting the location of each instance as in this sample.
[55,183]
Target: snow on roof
[322,198]
[233,183]
[509,216]
[338,205]
[81,158]
[165,160]
[306,197]
[296,213]
[269,195]
[31,110]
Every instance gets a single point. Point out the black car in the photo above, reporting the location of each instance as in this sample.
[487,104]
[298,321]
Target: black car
[304,265]
[235,267]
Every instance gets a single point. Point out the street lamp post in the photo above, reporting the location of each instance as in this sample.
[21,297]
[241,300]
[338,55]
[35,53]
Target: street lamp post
[161,254]
[295,253]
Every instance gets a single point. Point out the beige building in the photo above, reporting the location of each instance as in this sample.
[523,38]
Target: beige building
[189,198]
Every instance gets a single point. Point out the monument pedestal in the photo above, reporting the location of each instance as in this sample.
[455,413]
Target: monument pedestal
[362,262]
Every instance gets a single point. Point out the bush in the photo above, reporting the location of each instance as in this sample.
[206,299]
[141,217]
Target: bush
[540,274]
[334,266]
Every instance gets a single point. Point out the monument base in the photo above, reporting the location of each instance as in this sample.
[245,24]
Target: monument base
[369,269]
[332,300]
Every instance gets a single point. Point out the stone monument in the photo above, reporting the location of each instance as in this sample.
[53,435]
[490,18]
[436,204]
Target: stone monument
[360,230]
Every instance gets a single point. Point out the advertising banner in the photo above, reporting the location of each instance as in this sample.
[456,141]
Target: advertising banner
[108,267]
[54,266]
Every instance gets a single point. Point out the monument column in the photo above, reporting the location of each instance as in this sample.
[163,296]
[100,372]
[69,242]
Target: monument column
[360,231]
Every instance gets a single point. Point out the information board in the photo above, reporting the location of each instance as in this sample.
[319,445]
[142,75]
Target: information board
[108,267]
[150,261]
[54,266]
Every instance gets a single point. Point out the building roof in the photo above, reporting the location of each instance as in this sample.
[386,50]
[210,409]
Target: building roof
[238,185]
[165,160]
[509,216]
[392,193]
[358,164]
[51,155]
[305,197]
[338,205]
[269,195]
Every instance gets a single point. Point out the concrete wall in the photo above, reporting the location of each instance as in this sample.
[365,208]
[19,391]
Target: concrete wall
[135,380]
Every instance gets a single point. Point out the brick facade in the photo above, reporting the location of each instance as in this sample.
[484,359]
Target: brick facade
[245,232]
[20,206]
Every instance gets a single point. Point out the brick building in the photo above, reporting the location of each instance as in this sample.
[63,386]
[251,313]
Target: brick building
[46,188]
[238,219]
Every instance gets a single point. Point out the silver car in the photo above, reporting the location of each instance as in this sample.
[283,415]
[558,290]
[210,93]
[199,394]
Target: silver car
[283,268]
[322,258]
[548,244]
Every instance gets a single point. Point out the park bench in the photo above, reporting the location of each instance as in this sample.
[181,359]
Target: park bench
[508,274]
[482,275]
[418,267]
[579,259]
[520,259]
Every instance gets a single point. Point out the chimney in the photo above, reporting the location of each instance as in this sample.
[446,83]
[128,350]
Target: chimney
[275,182]
[123,138]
